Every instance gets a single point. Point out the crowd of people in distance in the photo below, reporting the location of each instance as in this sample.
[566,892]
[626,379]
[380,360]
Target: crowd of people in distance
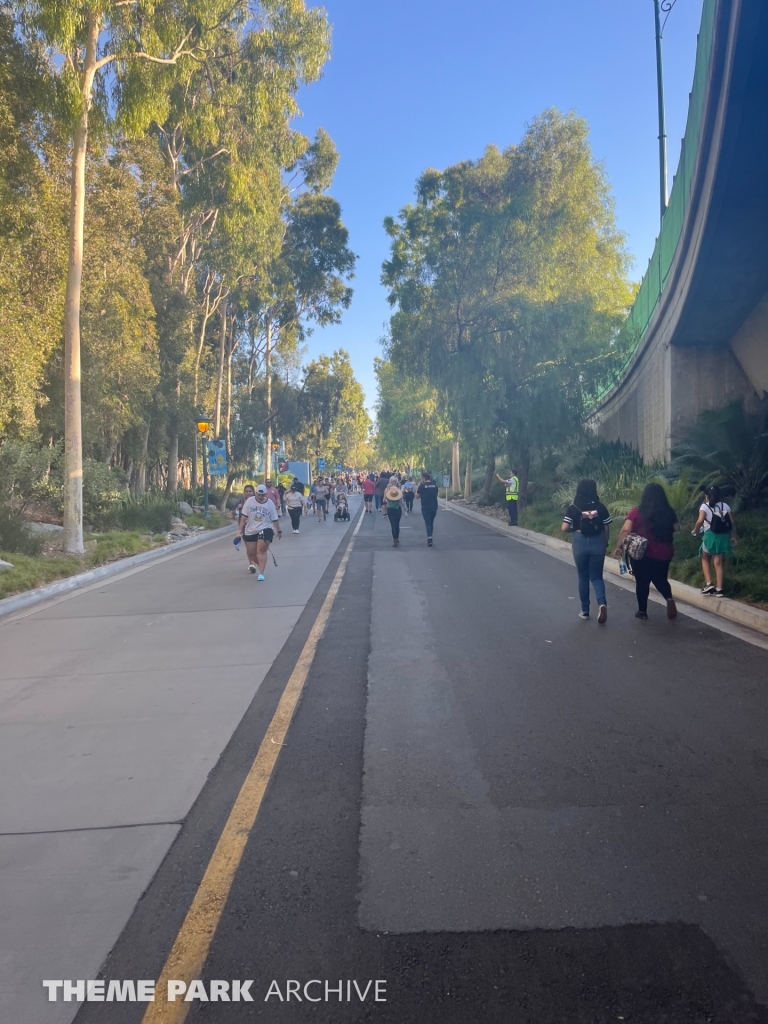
[261,507]
[259,510]
[644,546]
[393,494]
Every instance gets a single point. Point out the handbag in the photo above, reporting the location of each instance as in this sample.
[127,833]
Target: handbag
[635,544]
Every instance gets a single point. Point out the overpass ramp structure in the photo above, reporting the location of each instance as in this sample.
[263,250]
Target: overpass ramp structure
[700,318]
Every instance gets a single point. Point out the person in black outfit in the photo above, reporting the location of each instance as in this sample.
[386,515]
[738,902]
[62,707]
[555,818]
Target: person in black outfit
[427,494]
[589,521]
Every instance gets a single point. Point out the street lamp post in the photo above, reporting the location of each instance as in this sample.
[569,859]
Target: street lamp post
[203,426]
[661,7]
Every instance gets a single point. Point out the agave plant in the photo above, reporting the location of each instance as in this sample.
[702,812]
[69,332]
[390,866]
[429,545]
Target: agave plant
[729,448]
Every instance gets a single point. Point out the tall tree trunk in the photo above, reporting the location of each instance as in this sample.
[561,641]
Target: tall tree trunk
[140,472]
[194,461]
[268,370]
[73,429]
[455,475]
[490,472]
[228,421]
[220,378]
[227,490]
[468,480]
[173,463]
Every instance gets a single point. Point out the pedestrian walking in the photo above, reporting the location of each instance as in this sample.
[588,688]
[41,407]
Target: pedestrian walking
[281,492]
[409,493]
[656,521]
[322,490]
[248,492]
[273,494]
[257,524]
[717,525]
[393,500]
[381,486]
[427,494]
[295,502]
[369,486]
[511,494]
[589,521]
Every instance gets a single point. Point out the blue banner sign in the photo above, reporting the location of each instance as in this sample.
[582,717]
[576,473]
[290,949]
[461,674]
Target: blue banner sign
[217,457]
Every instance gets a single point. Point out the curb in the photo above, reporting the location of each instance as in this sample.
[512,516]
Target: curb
[733,611]
[82,579]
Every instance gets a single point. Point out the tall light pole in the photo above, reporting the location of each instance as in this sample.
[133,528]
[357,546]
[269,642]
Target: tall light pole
[204,426]
[661,7]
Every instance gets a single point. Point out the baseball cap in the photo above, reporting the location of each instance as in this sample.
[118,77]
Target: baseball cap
[261,489]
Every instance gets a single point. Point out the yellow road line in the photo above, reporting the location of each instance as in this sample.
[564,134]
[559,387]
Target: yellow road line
[188,954]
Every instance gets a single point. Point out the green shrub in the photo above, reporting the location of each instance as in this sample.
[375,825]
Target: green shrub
[151,512]
[215,520]
[13,536]
[103,490]
[29,472]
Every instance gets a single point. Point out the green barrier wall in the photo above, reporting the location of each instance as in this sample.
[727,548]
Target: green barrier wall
[659,266]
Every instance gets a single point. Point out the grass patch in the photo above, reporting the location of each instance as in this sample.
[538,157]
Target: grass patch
[35,571]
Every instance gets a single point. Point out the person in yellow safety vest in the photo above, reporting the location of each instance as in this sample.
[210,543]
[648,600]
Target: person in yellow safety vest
[512,494]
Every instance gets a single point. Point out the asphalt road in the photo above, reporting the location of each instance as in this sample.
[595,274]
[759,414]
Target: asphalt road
[504,813]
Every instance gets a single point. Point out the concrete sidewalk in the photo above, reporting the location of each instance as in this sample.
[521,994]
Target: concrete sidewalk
[115,704]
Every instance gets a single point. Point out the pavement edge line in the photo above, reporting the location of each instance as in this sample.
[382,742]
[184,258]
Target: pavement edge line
[190,948]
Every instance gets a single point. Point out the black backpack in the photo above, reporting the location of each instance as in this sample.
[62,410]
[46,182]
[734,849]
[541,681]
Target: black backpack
[721,520]
[591,524]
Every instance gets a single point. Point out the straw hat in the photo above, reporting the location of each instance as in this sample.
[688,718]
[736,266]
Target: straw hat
[393,493]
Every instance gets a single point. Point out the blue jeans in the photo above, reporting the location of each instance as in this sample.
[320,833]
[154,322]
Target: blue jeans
[589,555]
[429,520]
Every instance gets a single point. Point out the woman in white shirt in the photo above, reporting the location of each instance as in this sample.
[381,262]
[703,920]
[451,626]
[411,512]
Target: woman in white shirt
[716,523]
[295,503]
[258,516]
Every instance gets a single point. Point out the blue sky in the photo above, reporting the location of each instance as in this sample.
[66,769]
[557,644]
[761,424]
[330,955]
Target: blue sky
[425,83]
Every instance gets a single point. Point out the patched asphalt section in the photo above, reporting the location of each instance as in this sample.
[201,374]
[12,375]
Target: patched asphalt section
[293,909]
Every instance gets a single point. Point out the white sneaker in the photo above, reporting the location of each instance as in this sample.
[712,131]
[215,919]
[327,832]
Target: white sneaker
[251,568]
[295,531]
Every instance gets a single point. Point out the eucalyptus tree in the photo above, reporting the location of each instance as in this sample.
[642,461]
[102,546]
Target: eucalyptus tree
[31,263]
[118,61]
[509,281]
[306,283]
[411,419]
[228,141]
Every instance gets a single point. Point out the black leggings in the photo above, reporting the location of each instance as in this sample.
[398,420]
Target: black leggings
[295,514]
[395,515]
[650,571]
[409,500]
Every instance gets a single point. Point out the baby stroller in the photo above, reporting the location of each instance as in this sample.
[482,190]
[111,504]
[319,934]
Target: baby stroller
[341,514]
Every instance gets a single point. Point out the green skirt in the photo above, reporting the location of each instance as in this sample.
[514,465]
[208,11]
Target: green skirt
[716,543]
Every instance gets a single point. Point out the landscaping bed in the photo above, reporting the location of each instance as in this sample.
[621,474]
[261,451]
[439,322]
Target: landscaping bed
[51,564]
